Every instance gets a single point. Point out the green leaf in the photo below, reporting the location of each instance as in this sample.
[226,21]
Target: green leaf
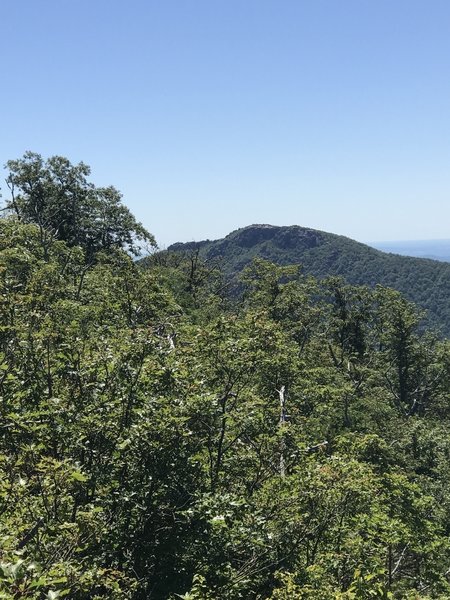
[78,476]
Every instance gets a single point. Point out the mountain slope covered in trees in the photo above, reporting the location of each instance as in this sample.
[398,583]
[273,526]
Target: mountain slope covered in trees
[425,282]
[159,441]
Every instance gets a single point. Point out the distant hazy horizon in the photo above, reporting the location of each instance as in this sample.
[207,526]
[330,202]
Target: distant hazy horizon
[435,249]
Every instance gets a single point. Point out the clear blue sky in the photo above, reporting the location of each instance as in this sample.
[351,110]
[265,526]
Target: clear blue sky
[210,115]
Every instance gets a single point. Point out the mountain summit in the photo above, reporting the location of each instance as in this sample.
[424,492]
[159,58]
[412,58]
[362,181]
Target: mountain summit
[423,281]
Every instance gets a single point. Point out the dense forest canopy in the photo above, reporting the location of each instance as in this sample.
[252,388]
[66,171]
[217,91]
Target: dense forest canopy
[162,439]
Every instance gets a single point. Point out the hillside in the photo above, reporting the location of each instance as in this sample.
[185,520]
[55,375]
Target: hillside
[160,441]
[423,281]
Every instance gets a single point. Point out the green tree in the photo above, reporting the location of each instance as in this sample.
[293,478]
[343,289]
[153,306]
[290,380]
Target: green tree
[57,196]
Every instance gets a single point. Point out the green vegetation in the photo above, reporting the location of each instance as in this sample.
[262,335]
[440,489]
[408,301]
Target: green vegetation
[161,441]
[422,281]
[57,197]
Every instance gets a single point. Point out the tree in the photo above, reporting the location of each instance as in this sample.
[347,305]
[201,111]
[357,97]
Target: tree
[57,196]
[144,455]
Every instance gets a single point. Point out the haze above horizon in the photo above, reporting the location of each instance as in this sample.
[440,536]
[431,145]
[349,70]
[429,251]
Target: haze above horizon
[211,116]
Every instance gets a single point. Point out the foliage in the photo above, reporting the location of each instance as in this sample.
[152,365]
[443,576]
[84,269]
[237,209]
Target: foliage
[57,196]
[158,441]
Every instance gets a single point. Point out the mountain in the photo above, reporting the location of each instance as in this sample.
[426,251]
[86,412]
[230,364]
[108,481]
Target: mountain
[423,281]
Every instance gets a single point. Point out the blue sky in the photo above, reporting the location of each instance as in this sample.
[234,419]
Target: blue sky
[210,115]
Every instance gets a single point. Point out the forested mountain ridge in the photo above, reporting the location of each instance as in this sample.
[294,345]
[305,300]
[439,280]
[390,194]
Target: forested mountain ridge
[157,444]
[423,281]
[159,441]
